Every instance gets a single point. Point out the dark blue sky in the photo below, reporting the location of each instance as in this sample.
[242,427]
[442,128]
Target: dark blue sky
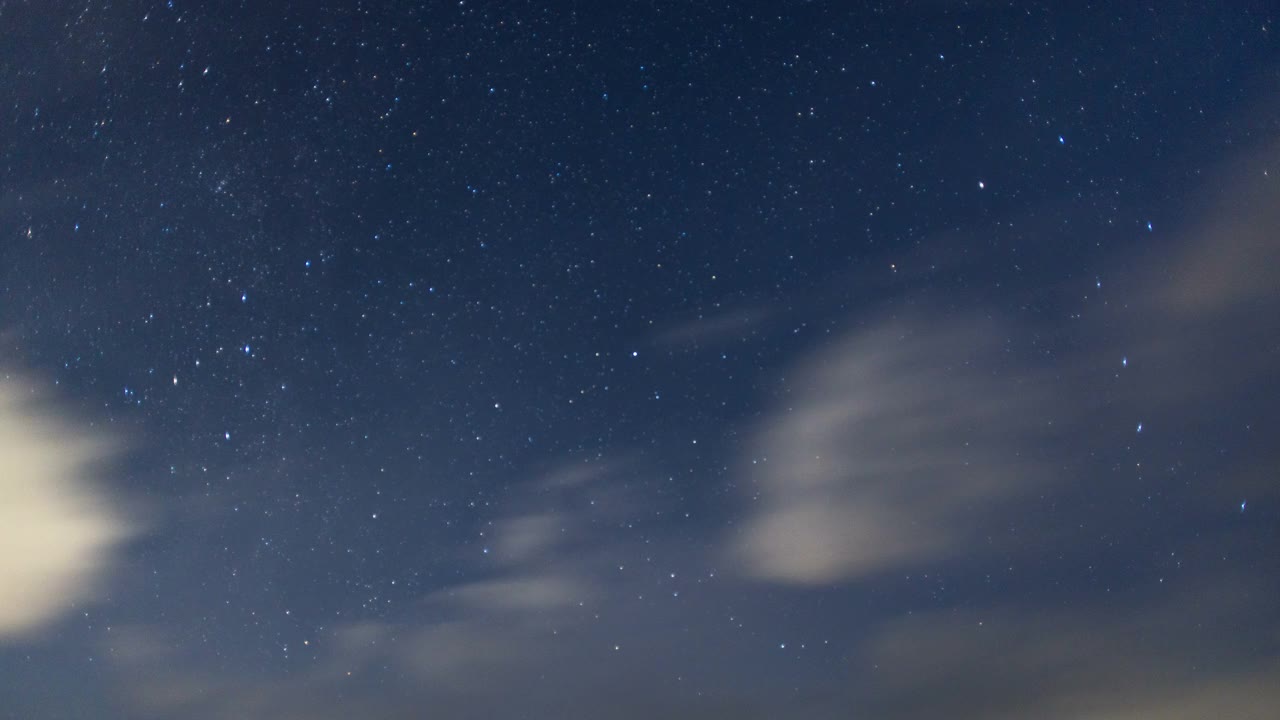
[680,360]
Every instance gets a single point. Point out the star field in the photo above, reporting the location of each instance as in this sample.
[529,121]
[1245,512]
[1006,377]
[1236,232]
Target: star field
[682,360]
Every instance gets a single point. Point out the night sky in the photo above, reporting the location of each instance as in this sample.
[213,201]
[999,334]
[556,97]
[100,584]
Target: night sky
[897,360]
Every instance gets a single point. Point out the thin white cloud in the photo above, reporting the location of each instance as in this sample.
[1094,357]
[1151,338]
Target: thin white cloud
[526,538]
[893,448]
[718,326]
[529,593]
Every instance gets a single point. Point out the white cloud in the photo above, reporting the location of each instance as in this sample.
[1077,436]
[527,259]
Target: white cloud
[895,448]
[57,531]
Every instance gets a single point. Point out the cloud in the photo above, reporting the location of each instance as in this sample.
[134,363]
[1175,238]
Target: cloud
[530,629]
[912,439]
[1200,319]
[894,446]
[528,593]
[522,614]
[57,531]
[1172,657]
[526,538]
[1229,260]
[718,326]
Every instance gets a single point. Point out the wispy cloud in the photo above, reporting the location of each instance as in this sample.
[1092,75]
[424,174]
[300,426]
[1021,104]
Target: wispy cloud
[894,446]
[523,614]
[720,325]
